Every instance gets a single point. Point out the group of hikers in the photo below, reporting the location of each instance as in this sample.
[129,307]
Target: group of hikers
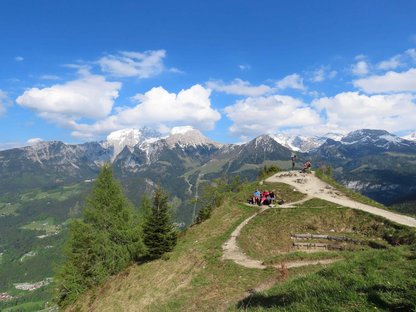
[262,198]
[269,198]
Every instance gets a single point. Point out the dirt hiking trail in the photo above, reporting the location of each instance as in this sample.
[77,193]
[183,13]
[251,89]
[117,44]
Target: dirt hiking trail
[313,187]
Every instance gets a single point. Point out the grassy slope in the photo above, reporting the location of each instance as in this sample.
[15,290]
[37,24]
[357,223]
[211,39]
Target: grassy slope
[194,278]
[381,280]
[269,234]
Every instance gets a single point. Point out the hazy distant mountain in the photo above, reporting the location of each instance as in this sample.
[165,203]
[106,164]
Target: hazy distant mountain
[374,162]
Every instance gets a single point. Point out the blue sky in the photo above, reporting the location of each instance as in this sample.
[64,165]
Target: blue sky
[77,70]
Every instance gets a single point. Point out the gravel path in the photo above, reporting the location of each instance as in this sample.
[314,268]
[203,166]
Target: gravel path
[314,188]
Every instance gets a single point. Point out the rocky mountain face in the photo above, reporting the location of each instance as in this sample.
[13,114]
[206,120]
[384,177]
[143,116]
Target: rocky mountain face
[374,162]
[304,144]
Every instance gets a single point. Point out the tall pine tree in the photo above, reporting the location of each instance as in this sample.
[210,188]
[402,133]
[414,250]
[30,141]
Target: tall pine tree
[158,230]
[104,243]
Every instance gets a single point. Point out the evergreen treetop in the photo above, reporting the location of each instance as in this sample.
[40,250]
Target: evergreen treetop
[159,231]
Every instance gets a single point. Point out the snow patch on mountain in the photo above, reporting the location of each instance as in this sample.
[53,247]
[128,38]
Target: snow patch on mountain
[129,137]
[410,137]
[379,138]
[188,136]
[299,143]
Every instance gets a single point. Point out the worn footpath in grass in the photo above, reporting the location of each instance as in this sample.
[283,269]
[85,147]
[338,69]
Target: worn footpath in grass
[192,277]
[267,236]
[375,280]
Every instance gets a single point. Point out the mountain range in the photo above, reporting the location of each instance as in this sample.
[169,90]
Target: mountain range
[44,185]
[374,162]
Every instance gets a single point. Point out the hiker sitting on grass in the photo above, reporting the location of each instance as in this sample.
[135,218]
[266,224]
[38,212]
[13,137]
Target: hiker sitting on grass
[255,199]
[264,200]
[306,166]
[272,196]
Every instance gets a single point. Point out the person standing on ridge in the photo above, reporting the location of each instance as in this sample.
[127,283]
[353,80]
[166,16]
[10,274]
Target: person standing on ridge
[293,161]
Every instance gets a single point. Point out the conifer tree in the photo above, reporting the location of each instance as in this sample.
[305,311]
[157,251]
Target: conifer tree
[102,244]
[159,231]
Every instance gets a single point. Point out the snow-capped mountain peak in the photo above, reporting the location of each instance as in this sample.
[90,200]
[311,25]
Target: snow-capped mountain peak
[378,138]
[188,136]
[410,137]
[300,143]
[129,137]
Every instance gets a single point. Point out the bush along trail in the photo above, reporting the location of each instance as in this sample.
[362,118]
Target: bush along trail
[313,187]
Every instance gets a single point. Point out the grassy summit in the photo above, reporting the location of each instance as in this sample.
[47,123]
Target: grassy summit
[193,277]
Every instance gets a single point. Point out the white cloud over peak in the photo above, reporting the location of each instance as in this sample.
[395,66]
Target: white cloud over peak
[238,87]
[360,68]
[34,141]
[90,96]
[133,64]
[351,110]
[258,115]
[389,82]
[159,109]
[341,113]
[293,81]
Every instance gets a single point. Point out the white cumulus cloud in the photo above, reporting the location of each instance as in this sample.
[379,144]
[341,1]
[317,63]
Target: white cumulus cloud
[389,82]
[323,73]
[238,87]
[133,64]
[391,63]
[158,108]
[293,81]
[351,111]
[258,115]
[360,68]
[90,96]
